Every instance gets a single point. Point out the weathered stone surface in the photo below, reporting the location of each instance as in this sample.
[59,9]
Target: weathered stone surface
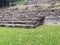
[21,17]
[32,16]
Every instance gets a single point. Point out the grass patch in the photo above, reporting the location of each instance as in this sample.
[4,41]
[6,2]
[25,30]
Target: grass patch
[43,35]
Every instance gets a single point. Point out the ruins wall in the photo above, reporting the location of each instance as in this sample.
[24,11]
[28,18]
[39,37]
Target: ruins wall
[51,21]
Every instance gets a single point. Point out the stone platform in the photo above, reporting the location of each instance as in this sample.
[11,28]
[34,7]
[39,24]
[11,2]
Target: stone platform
[21,18]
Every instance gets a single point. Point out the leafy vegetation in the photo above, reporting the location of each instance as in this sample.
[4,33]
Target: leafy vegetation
[43,35]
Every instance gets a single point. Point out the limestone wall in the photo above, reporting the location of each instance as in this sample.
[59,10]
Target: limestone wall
[51,21]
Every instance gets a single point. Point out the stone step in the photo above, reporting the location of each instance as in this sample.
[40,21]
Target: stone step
[20,19]
[18,22]
[31,19]
[19,25]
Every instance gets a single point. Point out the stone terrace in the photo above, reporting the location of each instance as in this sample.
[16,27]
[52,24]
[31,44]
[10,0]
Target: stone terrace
[21,17]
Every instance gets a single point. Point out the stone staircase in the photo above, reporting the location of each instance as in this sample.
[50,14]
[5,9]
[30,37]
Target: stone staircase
[21,18]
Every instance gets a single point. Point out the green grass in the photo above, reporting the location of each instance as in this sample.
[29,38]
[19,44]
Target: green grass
[43,35]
